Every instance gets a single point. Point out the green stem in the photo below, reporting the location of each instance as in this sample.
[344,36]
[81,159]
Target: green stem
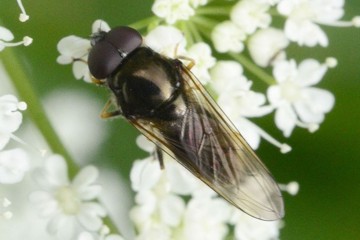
[204,25]
[194,32]
[214,10]
[143,23]
[253,68]
[27,93]
[182,25]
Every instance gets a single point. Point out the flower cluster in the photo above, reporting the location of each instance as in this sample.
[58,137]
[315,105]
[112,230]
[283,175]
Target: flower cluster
[228,41]
[69,205]
[13,162]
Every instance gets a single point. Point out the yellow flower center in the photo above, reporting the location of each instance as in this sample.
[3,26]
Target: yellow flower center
[68,200]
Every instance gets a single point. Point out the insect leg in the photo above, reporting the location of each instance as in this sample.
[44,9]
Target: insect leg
[159,155]
[106,114]
[191,61]
[98,81]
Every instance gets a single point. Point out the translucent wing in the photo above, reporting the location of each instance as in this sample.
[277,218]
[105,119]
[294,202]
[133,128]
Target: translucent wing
[206,143]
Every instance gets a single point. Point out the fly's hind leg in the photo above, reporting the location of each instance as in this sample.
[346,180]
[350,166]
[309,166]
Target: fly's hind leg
[159,155]
[191,61]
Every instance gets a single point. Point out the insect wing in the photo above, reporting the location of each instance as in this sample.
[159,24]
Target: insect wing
[210,147]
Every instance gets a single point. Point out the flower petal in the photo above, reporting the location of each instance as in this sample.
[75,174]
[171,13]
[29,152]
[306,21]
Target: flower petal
[90,216]
[317,103]
[85,178]
[172,209]
[310,72]
[13,165]
[285,119]
[145,174]
[5,34]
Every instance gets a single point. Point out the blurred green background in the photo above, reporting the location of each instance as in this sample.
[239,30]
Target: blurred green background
[326,163]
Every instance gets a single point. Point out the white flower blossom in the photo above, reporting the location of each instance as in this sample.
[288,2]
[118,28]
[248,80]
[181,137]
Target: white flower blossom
[157,209]
[13,165]
[74,50]
[297,102]
[101,236]
[248,228]
[200,53]
[250,15]
[4,212]
[70,206]
[304,16]
[161,212]
[166,40]
[170,42]
[267,46]
[228,37]
[6,36]
[205,218]
[239,102]
[10,117]
[173,10]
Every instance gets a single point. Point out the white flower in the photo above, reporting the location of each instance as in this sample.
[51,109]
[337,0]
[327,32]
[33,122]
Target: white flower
[173,10]
[69,205]
[228,37]
[248,228]
[303,17]
[166,40]
[6,36]
[74,50]
[239,102]
[266,46]
[106,236]
[156,204]
[201,54]
[146,174]
[100,25]
[297,103]
[10,117]
[13,165]
[4,213]
[250,15]
[205,219]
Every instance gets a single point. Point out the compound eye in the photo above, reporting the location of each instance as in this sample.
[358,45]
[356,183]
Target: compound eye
[103,60]
[125,39]
[109,49]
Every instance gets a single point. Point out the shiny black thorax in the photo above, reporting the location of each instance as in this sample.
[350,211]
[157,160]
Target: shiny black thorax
[148,86]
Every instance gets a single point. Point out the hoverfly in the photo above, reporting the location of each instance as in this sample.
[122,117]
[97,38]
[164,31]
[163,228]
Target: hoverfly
[165,101]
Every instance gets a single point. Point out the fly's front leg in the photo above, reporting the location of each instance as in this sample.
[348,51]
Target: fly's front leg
[98,81]
[108,114]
